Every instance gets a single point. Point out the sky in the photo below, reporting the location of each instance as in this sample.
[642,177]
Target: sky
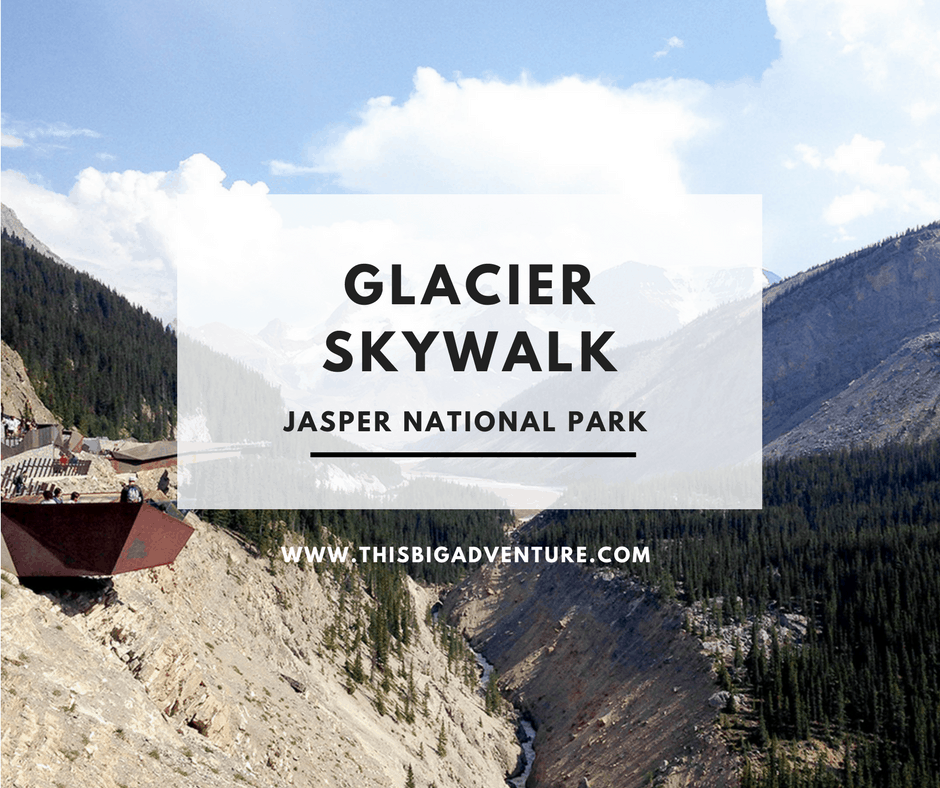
[126,124]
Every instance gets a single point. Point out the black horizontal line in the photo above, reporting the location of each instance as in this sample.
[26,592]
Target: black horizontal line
[474,454]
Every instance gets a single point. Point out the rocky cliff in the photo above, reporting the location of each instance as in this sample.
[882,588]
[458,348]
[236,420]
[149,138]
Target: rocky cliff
[620,694]
[19,397]
[850,349]
[897,400]
[214,672]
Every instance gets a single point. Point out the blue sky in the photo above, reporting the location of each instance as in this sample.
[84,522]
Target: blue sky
[112,111]
[157,82]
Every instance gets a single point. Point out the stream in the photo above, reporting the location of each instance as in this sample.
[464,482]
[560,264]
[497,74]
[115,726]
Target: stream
[524,732]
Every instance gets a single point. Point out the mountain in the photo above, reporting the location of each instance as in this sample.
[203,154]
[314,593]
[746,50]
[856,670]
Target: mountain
[851,348]
[655,377]
[619,691]
[19,397]
[851,356]
[100,363]
[848,357]
[228,668]
[818,613]
[231,668]
[14,227]
[897,400]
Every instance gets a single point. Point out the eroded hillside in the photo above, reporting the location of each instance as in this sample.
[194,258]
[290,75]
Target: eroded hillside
[850,349]
[620,694]
[227,669]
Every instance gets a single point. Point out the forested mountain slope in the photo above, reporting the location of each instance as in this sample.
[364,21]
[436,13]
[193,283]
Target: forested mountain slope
[852,350]
[849,542]
[98,362]
[232,669]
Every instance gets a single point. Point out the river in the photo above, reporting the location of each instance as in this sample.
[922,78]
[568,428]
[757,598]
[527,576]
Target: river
[525,732]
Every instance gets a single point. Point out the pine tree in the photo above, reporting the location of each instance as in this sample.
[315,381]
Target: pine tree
[442,741]
[492,696]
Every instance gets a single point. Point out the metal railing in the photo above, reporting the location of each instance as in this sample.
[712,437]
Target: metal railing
[37,468]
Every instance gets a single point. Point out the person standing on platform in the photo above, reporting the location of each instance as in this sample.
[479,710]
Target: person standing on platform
[132,493]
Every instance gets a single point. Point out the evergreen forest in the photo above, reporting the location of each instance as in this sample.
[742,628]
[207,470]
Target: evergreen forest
[216,384]
[101,364]
[852,541]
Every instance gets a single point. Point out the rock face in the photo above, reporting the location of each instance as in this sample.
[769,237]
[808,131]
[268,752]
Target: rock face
[19,396]
[851,349]
[14,226]
[619,693]
[214,672]
[898,400]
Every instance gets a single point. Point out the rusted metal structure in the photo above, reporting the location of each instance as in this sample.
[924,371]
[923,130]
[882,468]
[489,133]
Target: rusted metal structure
[88,539]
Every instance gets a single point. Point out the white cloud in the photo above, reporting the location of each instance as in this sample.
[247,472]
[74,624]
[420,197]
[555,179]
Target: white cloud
[836,130]
[922,109]
[285,168]
[674,42]
[849,207]
[472,135]
[920,202]
[44,131]
[875,39]
[59,131]
[42,137]
[134,229]
[809,155]
[848,109]
[859,160]
[886,185]
[931,166]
